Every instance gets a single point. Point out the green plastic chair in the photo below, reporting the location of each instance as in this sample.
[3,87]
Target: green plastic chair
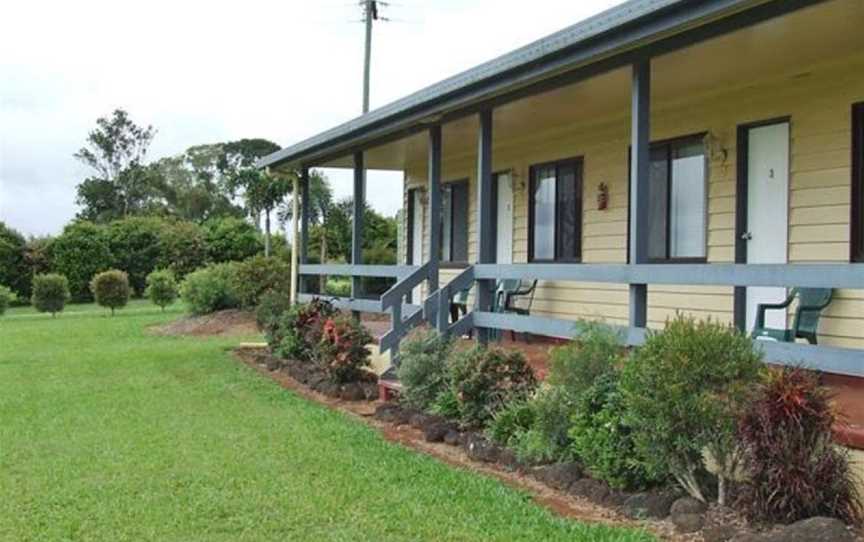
[811,303]
[509,291]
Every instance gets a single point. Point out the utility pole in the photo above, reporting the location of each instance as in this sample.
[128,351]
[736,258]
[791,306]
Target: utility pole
[370,14]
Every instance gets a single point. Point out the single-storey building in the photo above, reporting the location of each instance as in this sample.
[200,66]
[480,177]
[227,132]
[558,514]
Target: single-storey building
[696,156]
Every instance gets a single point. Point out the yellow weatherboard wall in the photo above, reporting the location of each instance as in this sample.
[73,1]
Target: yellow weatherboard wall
[817,99]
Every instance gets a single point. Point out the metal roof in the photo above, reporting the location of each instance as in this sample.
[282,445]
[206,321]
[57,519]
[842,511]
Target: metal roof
[630,14]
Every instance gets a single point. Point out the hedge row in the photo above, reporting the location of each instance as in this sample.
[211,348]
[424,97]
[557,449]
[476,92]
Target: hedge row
[137,246]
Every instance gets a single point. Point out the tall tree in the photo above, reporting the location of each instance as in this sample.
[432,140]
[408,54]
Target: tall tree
[116,151]
[263,192]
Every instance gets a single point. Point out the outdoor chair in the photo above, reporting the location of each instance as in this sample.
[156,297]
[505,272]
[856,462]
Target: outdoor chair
[459,307]
[510,291]
[811,303]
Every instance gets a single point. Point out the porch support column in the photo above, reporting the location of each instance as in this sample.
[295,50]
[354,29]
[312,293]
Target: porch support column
[295,272]
[640,133]
[304,223]
[433,220]
[485,229]
[357,223]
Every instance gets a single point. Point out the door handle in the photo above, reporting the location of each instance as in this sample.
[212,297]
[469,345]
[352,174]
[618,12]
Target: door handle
[747,236]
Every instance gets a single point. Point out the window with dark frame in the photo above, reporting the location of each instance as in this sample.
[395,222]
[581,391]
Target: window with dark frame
[454,222]
[678,203]
[857,222]
[555,212]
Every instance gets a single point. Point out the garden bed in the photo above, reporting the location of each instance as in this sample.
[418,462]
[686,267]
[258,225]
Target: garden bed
[564,488]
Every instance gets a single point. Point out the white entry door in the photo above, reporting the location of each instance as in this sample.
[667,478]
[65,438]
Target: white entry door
[504,227]
[417,239]
[767,213]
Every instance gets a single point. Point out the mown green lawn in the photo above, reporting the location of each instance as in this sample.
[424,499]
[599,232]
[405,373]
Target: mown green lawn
[108,433]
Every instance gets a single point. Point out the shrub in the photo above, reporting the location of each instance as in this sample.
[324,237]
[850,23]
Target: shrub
[50,293]
[258,275]
[111,289]
[6,299]
[683,391]
[342,351]
[423,369]
[14,272]
[79,253]
[596,352]
[548,438]
[486,379]
[338,287]
[231,239]
[300,330]
[516,418]
[603,441]
[161,288]
[272,306]
[135,245]
[210,289]
[446,404]
[39,259]
[794,470]
[182,248]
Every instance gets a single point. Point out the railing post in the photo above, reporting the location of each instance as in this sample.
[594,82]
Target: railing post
[485,228]
[640,133]
[357,224]
[443,310]
[433,220]
[304,224]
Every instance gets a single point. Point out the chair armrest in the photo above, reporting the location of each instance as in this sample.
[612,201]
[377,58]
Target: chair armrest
[762,307]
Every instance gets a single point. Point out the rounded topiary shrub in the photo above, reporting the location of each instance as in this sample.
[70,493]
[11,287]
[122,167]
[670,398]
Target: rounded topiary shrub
[6,298]
[162,288]
[683,391]
[50,293]
[423,368]
[111,289]
[210,289]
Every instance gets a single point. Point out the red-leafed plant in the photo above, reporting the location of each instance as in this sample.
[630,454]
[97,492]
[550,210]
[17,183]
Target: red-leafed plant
[342,351]
[794,468]
[299,330]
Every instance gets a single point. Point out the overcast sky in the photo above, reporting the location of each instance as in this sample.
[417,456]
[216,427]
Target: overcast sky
[210,71]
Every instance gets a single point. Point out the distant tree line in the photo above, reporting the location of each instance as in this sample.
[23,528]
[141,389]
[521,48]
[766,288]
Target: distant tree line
[180,213]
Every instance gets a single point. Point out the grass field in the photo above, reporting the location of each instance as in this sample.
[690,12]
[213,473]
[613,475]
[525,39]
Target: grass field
[109,433]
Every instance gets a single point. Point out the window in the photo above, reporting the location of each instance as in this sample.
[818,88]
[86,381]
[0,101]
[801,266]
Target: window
[454,224]
[858,182]
[678,206]
[555,208]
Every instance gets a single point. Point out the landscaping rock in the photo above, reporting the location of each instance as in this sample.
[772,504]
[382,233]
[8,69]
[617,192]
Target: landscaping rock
[453,437]
[688,505]
[480,449]
[616,497]
[353,392]
[435,432]
[370,389]
[818,528]
[559,476]
[419,420]
[330,389]
[272,363]
[688,523]
[719,533]
[591,489]
[404,416]
[507,458]
[648,505]
[387,412]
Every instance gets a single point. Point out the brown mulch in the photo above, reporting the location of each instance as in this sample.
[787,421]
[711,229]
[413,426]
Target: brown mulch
[560,503]
[227,323]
